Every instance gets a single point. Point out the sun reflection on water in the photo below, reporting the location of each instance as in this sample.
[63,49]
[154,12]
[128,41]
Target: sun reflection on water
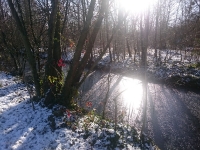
[124,95]
[132,94]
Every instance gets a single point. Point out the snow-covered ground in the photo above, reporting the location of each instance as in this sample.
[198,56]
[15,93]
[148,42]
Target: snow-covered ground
[169,65]
[22,128]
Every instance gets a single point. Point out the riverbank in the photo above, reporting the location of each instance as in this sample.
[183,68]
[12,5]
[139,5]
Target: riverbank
[57,128]
[174,73]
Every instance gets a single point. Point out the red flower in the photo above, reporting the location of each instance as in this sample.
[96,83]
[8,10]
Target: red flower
[89,104]
[68,113]
[61,63]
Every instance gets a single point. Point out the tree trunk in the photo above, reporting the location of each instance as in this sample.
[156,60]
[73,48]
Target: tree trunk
[76,70]
[51,63]
[144,41]
[107,32]
[144,65]
[53,69]
[156,32]
[69,88]
[128,47]
[27,45]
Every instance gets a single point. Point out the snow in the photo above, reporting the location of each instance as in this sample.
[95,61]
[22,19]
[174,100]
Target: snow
[22,128]
[172,66]
[167,69]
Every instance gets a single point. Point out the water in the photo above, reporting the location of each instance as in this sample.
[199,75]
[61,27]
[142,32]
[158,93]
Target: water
[173,115]
[123,93]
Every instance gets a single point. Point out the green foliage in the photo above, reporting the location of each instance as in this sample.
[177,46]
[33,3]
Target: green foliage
[91,115]
[42,84]
[75,92]
[52,79]
[55,84]
[90,118]
[196,65]
[55,39]
[55,81]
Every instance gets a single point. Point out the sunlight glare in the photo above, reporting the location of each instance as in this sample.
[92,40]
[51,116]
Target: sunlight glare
[132,96]
[135,6]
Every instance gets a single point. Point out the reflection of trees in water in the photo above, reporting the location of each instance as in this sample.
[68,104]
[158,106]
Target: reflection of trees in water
[95,89]
[121,96]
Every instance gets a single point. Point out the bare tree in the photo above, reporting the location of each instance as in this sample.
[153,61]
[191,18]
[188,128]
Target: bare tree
[27,44]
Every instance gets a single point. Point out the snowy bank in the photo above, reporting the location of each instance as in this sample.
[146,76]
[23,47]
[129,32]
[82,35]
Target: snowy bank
[24,128]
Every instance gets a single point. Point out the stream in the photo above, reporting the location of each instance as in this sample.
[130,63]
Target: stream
[173,115]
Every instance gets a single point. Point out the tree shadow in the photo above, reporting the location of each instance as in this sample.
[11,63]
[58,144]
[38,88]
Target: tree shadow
[173,126]
[95,90]
[6,90]
[91,80]
[22,127]
[153,122]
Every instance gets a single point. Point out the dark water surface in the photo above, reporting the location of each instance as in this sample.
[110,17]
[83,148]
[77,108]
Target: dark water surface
[173,116]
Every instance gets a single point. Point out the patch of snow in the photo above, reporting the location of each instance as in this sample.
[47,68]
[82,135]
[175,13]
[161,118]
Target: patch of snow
[23,128]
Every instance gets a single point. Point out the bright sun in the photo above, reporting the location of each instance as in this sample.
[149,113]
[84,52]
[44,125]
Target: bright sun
[135,6]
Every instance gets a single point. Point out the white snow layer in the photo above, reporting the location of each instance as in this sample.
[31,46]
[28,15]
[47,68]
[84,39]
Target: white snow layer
[21,128]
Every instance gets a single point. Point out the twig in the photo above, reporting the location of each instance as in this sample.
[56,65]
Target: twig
[30,90]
